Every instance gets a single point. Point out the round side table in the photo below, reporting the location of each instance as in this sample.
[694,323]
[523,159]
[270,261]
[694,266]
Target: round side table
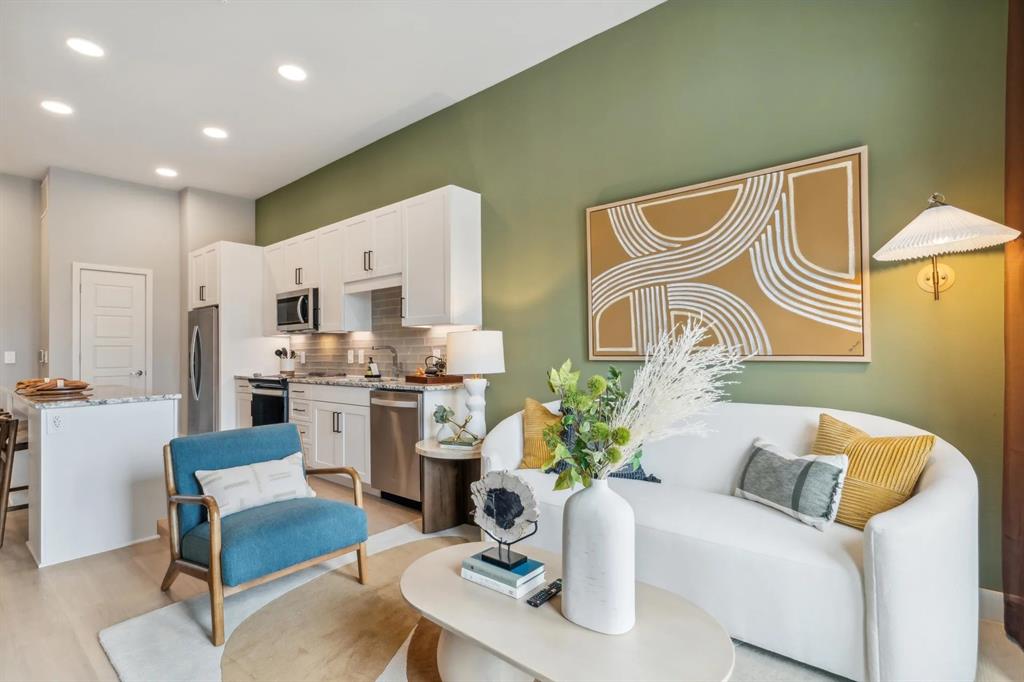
[445,475]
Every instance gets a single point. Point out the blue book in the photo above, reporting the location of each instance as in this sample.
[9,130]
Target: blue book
[515,577]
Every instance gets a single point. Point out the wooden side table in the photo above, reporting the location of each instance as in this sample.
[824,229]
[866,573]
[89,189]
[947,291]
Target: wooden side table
[445,475]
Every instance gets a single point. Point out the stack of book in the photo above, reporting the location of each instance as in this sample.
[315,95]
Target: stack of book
[516,582]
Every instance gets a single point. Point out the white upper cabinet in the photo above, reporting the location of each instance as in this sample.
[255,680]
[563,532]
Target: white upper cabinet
[303,261]
[358,245]
[331,247]
[339,311]
[441,278]
[374,244]
[386,254]
[293,264]
[429,244]
[204,277]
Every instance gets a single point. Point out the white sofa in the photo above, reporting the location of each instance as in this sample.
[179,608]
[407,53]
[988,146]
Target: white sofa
[897,601]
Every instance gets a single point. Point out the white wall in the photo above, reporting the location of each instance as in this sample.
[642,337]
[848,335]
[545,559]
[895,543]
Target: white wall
[19,279]
[91,219]
[207,217]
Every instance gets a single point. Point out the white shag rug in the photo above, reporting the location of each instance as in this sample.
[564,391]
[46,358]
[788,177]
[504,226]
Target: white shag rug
[171,644]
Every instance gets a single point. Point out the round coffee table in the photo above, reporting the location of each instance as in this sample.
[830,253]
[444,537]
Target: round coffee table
[487,635]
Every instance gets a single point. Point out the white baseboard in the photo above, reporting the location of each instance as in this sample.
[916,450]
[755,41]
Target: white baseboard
[991,605]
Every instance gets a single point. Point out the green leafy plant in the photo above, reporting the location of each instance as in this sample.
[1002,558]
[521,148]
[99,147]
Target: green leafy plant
[604,426]
[584,437]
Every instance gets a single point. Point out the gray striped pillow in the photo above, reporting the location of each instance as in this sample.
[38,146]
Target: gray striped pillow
[807,488]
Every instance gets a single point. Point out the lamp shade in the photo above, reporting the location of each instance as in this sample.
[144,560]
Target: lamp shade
[942,228]
[476,352]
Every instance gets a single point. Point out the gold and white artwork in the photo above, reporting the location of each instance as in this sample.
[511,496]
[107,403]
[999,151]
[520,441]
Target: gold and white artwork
[774,260]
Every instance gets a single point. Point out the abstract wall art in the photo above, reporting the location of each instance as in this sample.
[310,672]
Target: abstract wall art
[775,261]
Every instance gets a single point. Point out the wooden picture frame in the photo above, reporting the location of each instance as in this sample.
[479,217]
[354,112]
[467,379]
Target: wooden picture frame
[765,295]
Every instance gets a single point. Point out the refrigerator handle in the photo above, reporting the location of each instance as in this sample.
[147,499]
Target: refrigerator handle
[193,379]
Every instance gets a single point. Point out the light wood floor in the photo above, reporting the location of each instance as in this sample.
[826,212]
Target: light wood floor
[50,618]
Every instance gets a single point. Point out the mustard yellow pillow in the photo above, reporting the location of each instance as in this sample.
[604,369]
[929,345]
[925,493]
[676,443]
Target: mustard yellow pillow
[535,418]
[882,471]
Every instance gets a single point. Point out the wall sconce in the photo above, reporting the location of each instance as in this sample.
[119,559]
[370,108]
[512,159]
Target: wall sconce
[940,229]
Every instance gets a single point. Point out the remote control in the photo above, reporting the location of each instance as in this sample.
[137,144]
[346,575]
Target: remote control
[545,594]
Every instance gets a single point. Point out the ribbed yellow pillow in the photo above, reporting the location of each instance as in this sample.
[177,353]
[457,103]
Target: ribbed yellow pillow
[535,418]
[882,472]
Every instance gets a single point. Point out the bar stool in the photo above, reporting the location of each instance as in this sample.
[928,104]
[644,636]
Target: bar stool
[8,442]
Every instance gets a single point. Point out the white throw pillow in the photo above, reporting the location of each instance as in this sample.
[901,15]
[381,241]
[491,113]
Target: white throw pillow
[253,485]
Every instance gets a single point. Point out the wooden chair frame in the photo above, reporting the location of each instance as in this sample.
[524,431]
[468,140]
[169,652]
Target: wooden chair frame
[211,574]
[8,445]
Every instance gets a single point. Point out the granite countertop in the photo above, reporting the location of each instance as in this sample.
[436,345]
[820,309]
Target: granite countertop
[359,382]
[101,395]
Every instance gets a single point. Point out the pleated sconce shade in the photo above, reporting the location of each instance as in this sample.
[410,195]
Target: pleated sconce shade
[942,228]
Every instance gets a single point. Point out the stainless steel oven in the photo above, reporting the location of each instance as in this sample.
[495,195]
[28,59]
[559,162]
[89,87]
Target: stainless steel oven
[299,311]
[269,400]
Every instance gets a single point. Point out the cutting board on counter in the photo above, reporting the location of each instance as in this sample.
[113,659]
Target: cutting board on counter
[442,379]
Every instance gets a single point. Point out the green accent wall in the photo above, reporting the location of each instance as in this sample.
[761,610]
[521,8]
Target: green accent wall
[693,91]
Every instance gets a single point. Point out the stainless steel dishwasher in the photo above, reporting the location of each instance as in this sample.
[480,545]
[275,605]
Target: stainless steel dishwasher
[396,425]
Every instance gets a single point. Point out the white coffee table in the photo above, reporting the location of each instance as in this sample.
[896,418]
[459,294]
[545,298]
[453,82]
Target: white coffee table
[488,636]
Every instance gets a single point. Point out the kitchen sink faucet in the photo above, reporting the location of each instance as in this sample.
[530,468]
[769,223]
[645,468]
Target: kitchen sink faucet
[397,368]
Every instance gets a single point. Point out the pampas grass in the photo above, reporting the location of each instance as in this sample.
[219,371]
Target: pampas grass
[679,381]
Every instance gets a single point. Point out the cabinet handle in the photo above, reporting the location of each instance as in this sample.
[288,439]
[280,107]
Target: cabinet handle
[300,275]
[298,409]
[296,275]
[401,308]
[336,426]
[365,268]
[369,259]
[202,292]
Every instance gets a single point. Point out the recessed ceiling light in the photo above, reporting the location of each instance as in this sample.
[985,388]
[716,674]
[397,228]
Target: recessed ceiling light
[292,72]
[167,172]
[86,47]
[215,133]
[55,107]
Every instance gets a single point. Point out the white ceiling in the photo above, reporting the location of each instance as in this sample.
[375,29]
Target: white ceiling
[172,68]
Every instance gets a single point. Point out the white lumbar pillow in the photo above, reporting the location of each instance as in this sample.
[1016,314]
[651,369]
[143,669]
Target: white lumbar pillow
[253,485]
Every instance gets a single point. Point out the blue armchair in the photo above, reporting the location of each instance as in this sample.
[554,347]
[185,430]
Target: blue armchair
[257,545]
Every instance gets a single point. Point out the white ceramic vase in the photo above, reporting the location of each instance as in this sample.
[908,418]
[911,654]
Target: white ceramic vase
[598,560]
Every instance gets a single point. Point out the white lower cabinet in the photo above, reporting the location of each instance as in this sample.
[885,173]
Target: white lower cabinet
[341,437]
[243,404]
[243,410]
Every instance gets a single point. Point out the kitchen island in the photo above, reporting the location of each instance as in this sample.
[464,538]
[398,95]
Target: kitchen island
[96,478]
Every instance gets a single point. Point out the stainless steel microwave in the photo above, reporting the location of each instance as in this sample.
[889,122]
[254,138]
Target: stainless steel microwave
[299,311]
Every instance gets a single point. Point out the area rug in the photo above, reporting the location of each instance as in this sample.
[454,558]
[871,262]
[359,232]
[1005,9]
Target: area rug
[320,624]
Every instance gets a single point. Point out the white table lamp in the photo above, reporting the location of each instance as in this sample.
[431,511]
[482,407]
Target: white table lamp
[472,354]
[940,229]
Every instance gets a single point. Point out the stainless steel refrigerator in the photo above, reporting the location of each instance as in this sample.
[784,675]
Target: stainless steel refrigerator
[203,369]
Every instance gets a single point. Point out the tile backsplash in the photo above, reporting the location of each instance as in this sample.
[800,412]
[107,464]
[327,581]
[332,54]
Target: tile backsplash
[329,352]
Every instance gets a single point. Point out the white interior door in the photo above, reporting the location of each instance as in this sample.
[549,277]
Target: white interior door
[112,339]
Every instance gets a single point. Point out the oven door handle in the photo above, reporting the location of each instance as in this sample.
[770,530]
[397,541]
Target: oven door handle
[276,393]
